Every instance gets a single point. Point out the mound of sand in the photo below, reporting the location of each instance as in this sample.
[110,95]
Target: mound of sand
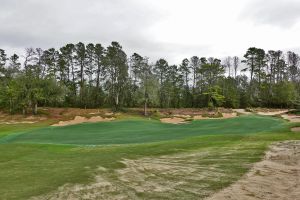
[180,119]
[276,177]
[173,120]
[182,116]
[79,120]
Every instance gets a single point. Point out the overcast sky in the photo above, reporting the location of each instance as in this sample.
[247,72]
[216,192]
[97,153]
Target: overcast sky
[171,29]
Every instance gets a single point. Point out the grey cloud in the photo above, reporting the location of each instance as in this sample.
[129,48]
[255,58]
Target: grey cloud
[52,23]
[173,52]
[280,13]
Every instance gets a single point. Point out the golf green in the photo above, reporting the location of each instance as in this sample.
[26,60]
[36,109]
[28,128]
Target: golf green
[143,131]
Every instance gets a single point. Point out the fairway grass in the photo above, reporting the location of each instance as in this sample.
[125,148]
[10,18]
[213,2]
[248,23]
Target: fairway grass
[203,156]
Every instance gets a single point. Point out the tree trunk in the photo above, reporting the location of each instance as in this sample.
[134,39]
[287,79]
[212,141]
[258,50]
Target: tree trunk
[73,78]
[35,109]
[117,101]
[10,106]
[235,69]
[98,85]
[81,83]
[98,78]
[145,108]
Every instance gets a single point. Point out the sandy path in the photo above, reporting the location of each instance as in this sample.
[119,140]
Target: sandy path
[277,177]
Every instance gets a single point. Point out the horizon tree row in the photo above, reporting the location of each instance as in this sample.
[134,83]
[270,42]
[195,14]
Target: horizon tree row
[92,76]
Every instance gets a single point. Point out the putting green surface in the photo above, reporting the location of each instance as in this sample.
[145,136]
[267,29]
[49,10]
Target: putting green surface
[143,131]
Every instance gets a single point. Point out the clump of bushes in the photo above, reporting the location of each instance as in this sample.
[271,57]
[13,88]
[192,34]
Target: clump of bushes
[156,114]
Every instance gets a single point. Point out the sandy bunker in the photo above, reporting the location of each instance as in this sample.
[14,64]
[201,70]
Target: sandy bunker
[181,119]
[79,120]
[173,120]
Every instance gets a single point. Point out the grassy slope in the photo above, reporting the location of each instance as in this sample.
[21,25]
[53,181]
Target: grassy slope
[142,131]
[34,169]
[13,128]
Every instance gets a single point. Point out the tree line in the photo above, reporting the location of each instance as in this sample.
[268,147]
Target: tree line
[92,76]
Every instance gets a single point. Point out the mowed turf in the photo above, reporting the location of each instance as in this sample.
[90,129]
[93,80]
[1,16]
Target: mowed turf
[30,167]
[143,131]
